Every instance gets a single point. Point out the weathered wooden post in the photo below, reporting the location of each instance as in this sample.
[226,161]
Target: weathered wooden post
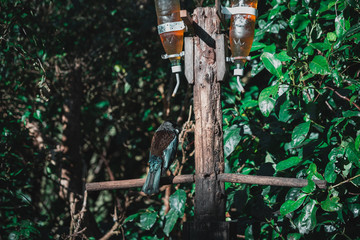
[201,64]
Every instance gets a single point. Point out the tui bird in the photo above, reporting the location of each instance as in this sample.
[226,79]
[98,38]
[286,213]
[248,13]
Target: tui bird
[162,154]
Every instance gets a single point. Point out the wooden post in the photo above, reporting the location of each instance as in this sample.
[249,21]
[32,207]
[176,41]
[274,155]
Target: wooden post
[209,156]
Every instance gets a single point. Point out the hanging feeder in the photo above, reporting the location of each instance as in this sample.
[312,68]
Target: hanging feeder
[171,31]
[241,35]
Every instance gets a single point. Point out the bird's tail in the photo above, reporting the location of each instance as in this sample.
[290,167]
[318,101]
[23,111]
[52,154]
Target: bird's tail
[152,182]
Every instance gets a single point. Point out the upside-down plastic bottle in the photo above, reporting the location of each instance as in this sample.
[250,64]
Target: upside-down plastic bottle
[242,28]
[171,30]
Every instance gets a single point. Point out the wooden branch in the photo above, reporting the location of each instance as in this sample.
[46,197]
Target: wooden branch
[343,97]
[121,184]
[224,177]
[271,181]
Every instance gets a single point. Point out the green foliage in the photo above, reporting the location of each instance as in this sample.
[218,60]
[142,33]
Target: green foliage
[297,118]
[305,78]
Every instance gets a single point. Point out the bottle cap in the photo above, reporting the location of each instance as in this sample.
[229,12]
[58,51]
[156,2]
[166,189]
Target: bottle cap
[238,72]
[176,68]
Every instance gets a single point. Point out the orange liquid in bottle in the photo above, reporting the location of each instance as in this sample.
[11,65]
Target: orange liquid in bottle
[242,28]
[169,11]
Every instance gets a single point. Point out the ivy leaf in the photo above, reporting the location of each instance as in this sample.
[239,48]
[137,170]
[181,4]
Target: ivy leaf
[331,204]
[131,217]
[299,133]
[330,174]
[319,65]
[352,154]
[312,172]
[310,187]
[267,99]
[257,46]
[290,205]
[231,139]
[336,153]
[177,202]
[307,219]
[171,218]
[147,220]
[288,163]
[299,22]
[282,56]
[348,114]
[357,142]
[340,27]
[321,46]
[272,64]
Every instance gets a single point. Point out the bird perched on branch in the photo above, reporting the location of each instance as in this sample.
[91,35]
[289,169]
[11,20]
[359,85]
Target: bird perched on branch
[162,154]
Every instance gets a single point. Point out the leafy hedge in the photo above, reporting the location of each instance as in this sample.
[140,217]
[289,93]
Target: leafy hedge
[303,124]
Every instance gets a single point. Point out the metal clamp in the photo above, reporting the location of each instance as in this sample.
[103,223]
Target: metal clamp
[239,10]
[170,27]
[232,59]
[165,56]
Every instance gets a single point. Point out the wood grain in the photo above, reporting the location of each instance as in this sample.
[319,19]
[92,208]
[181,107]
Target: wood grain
[209,157]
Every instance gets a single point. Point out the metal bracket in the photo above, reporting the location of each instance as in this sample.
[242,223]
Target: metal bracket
[171,27]
[232,59]
[239,10]
[165,56]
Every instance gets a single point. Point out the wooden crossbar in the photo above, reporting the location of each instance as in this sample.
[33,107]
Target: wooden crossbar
[190,178]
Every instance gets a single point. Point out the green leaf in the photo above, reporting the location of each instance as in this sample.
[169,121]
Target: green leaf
[127,87]
[299,133]
[310,187]
[307,219]
[357,143]
[321,46]
[299,22]
[177,202]
[37,115]
[272,64]
[350,113]
[131,217]
[340,27]
[352,154]
[308,50]
[267,99]
[336,153]
[290,205]
[288,163]
[330,174]
[331,204]
[257,46]
[312,172]
[331,36]
[231,139]
[171,218]
[307,76]
[102,104]
[293,236]
[147,220]
[319,65]
[282,56]
[354,209]
[356,180]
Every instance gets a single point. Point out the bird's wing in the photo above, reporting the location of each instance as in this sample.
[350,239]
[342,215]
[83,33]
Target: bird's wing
[160,141]
[169,153]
